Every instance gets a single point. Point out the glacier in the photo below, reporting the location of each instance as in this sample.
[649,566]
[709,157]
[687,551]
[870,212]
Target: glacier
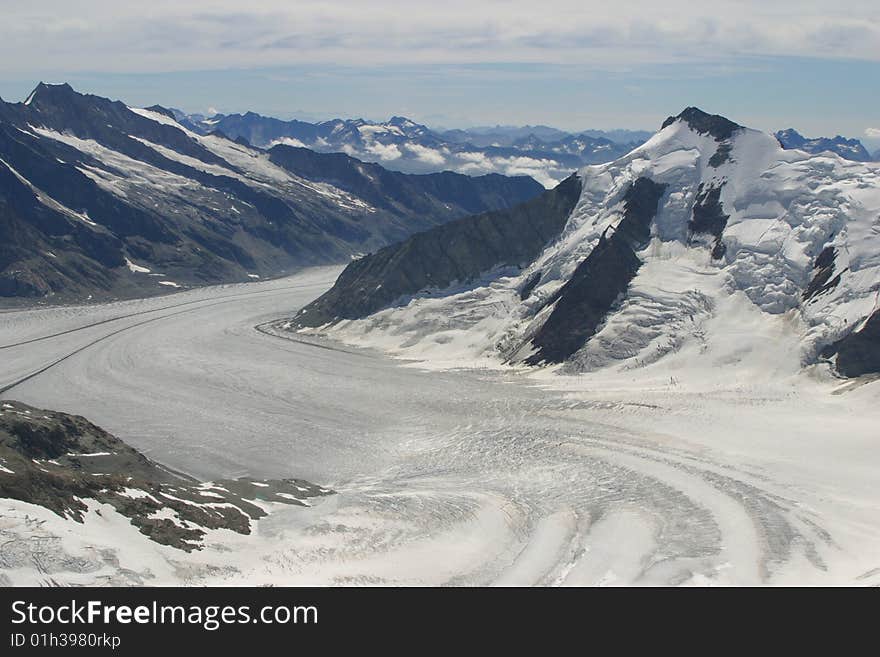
[512,476]
[698,437]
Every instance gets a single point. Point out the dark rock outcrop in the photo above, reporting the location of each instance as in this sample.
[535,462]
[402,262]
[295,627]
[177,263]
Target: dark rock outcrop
[859,352]
[60,461]
[582,304]
[721,128]
[457,252]
[531,283]
[824,278]
[699,121]
[709,217]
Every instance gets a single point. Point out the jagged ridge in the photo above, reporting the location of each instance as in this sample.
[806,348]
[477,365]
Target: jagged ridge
[459,252]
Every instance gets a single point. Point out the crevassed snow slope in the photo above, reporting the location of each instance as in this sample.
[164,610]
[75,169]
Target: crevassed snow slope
[466,477]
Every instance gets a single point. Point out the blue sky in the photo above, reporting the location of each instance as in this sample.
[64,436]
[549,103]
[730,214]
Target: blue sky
[574,65]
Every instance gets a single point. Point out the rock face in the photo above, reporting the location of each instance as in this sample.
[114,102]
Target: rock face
[62,461]
[100,199]
[824,278]
[600,280]
[717,126]
[457,252]
[708,216]
[859,352]
[709,247]
[850,149]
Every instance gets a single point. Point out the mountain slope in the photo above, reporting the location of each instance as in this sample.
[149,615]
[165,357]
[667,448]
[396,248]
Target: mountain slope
[583,302]
[709,246]
[100,199]
[457,252]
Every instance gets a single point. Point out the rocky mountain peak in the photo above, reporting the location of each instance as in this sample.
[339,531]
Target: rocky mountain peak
[164,111]
[790,138]
[850,149]
[704,123]
[51,94]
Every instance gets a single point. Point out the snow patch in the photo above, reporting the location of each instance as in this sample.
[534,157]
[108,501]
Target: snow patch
[136,269]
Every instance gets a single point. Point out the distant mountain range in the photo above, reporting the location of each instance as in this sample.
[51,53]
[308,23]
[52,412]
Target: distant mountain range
[104,200]
[707,247]
[850,149]
[510,135]
[546,154]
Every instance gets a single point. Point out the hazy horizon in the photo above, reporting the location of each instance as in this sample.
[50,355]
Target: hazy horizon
[573,66]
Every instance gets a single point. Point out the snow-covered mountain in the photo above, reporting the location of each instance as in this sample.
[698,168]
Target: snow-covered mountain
[709,246]
[97,198]
[546,154]
[850,149]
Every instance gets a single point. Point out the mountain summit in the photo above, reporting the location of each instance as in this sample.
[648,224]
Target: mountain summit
[47,94]
[703,123]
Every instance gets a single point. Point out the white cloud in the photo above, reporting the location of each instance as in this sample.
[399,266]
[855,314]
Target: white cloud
[384,152]
[541,175]
[107,35]
[475,159]
[548,172]
[287,141]
[426,154]
[872,133]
